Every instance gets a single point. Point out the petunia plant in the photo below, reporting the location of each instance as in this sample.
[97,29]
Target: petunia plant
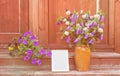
[28,46]
[81,28]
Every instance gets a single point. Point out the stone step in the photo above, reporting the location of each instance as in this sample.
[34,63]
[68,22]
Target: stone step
[102,64]
[97,58]
[8,71]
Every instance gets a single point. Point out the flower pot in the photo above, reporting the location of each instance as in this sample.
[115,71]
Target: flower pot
[82,58]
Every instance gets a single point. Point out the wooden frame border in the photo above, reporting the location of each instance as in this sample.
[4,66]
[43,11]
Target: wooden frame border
[117,24]
[111,23]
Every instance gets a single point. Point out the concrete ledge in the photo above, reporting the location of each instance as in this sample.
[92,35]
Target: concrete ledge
[22,72]
[105,54]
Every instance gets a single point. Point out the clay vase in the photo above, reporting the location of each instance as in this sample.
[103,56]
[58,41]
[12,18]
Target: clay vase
[82,58]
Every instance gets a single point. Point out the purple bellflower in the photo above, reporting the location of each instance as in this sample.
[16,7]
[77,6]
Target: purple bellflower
[76,40]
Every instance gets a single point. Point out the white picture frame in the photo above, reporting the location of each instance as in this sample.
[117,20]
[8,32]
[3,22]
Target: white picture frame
[60,61]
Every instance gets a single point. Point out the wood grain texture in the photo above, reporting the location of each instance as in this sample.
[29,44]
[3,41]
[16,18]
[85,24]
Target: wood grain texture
[104,5]
[13,19]
[24,15]
[43,23]
[9,16]
[117,26]
[33,16]
[38,20]
[111,22]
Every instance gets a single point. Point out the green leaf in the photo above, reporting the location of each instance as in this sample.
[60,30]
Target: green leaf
[59,18]
[20,49]
[30,43]
[96,20]
[72,29]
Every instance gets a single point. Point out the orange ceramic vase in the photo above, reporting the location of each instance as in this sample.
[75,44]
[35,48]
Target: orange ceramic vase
[82,58]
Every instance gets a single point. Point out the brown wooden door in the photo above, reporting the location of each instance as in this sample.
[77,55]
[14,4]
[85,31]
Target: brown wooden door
[13,20]
[43,20]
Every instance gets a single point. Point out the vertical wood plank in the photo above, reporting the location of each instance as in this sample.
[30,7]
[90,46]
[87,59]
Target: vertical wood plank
[38,20]
[111,22]
[24,16]
[104,5]
[33,16]
[117,26]
[43,22]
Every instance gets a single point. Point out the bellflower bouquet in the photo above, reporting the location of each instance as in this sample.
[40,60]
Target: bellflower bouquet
[81,28]
[28,46]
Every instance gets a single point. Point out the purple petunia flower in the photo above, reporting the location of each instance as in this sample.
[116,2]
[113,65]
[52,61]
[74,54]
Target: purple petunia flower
[91,41]
[48,54]
[39,62]
[29,52]
[25,42]
[34,61]
[42,52]
[20,40]
[101,37]
[68,28]
[32,37]
[76,40]
[68,39]
[36,43]
[86,36]
[26,58]
[101,18]
[27,33]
